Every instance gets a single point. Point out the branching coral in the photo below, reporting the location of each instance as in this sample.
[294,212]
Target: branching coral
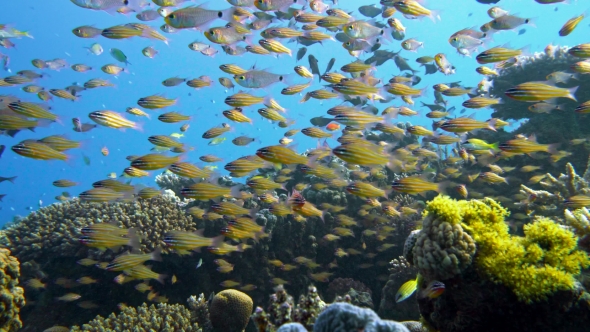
[163,317]
[549,201]
[11,296]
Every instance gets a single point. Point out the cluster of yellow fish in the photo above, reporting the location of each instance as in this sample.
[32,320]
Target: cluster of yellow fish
[351,166]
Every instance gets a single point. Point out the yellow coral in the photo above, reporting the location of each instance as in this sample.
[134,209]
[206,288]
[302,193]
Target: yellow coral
[535,266]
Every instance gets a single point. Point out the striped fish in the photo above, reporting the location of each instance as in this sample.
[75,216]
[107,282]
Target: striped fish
[37,150]
[416,185]
[153,161]
[281,155]
[361,154]
[113,120]
[156,102]
[32,110]
[537,91]
[127,261]
[188,170]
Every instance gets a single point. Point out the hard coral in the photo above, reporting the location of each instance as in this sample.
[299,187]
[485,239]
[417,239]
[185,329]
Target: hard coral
[11,296]
[442,248]
[54,230]
[163,317]
[230,310]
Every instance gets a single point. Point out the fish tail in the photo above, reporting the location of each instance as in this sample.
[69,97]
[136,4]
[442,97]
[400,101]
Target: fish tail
[161,278]
[495,146]
[156,255]
[442,186]
[492,124]
[217,241]
[572,93]
[553,148]
[133,239]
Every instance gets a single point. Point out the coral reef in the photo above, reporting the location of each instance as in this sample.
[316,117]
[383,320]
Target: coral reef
[550,200]
[341,287]
[199,308]
[414,326]
[161,317]
[442,249]
[53,231]
[282,310]
[523,276]
[400,272]
[230,311]
[292,327]
[344,317]
[554,127]
[11,296]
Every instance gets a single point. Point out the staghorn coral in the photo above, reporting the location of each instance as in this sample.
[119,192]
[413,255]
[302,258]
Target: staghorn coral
[11,296]
[579,221]
[230,311]
[549,201]
[442,249]
[163,317]
[54,230]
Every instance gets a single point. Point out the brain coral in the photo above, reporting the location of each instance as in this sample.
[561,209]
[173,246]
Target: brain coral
[230,310]
[163,317]
[442,249]
[11,296]
[54,230]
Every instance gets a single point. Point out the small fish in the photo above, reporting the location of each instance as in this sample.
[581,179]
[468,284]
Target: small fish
[149,52]
[69,297]
[535,91]
[572,23]
[406,290]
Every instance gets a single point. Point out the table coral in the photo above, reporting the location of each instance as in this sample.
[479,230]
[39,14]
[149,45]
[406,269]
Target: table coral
[11,296]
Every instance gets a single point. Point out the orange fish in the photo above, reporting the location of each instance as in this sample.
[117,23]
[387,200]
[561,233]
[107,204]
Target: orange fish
[332,126]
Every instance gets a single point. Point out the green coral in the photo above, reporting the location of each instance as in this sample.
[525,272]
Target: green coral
[535,266]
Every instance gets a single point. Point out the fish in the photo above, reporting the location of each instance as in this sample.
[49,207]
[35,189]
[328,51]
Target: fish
[113,120]
[416,185]
[406,290]
[535,91]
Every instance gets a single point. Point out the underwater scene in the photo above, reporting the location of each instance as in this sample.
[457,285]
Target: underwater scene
[295,165]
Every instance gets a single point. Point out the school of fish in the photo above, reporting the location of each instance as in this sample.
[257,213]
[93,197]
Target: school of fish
[449,159]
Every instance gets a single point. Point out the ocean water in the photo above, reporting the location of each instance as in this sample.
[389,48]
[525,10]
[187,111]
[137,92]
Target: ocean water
[50,24]
[205,105]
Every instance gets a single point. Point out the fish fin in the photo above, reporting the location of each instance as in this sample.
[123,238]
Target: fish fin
[156,255]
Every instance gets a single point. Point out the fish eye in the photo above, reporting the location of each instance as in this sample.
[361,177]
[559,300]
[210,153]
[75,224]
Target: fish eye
[242,77]
[219,14]
[171,16]
[348,43]
[212,31]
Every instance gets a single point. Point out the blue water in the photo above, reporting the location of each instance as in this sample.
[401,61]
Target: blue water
[51,23]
